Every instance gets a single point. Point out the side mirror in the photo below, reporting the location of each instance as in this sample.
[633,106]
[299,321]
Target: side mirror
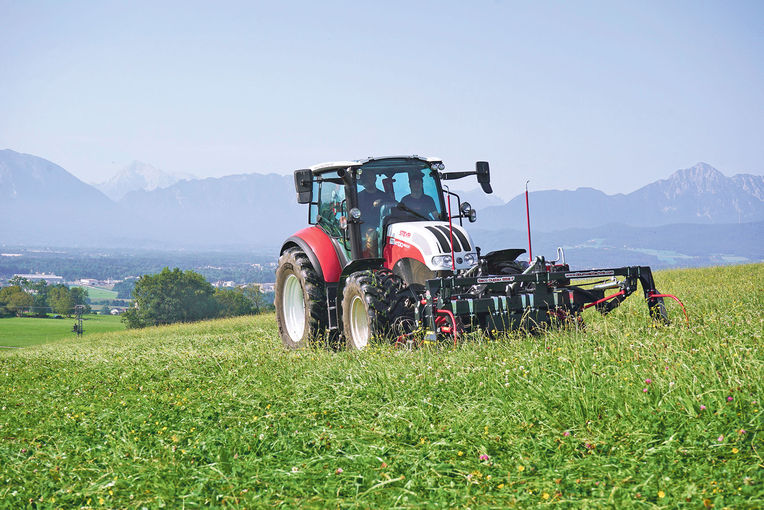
[484,176]
[303,185]
[473,215]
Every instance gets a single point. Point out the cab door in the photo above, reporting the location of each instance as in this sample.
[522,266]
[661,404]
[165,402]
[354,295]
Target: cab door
[326,211]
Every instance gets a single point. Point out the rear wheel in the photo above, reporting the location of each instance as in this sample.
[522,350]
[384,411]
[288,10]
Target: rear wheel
[300,300]
[366,300]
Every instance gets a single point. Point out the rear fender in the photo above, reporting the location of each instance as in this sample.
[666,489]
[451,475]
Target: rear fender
[508,255]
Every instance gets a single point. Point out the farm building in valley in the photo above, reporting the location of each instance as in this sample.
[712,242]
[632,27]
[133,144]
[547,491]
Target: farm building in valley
[51,278]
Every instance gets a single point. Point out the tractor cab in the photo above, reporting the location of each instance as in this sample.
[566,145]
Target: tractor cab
[392,191]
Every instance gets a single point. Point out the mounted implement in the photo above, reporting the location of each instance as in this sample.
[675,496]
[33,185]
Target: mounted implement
[384,259]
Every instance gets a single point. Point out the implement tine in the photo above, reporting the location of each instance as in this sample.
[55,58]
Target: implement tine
[654,299]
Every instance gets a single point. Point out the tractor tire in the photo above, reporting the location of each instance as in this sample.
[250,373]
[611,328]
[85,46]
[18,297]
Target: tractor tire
[300,300]
[366,301]
[510,267]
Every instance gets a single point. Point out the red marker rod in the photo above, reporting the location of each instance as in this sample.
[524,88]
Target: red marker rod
[528,218]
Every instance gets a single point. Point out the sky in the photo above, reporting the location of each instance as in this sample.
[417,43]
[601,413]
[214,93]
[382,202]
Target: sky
[611,95]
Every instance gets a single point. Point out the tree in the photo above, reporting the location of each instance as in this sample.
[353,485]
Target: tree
[233,302]
[80,297]
[171,296]
[124,289]
[18,281]
[40,290]
[60,299]
[256,296]
[13,299]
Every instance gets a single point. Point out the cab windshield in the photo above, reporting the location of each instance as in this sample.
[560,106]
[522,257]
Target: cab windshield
[394,190]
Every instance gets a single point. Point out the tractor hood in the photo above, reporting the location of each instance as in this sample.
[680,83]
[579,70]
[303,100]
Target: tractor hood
[430,243]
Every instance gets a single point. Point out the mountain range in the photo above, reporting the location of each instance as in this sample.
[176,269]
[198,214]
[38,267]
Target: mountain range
[48,206]
[699,194]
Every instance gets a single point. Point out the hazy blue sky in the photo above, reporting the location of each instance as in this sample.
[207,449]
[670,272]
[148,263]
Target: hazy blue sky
[605,94]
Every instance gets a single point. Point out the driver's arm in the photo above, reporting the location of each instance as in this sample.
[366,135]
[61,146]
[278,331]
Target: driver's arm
[433,211]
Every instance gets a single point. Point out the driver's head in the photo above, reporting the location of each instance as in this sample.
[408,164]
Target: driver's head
[367,179]
[415,182]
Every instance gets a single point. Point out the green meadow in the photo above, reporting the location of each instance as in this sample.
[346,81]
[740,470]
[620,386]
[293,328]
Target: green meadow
[25,331]
[625,414]
[99,293]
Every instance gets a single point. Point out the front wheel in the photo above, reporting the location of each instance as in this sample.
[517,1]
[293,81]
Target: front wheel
[366,300]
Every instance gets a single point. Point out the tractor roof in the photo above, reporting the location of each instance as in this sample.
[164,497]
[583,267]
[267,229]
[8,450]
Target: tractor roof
[335,165]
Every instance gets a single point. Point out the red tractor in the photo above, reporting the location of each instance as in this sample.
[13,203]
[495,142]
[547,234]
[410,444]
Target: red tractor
[384,259]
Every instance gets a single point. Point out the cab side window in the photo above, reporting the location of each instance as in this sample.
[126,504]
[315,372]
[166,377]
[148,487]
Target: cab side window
[331,197]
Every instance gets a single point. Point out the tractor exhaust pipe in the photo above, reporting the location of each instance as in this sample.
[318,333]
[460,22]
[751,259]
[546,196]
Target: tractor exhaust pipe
[354,228]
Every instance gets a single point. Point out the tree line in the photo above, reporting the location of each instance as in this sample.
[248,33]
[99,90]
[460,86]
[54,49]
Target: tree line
[172,296]
[164,298]
[39,298]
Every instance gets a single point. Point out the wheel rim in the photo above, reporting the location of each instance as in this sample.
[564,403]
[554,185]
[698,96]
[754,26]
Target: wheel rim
[359,323]
[294,308]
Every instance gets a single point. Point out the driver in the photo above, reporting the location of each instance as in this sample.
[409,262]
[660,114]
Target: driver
[417,201]
[370,200]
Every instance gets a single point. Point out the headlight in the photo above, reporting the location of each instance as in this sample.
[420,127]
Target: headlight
[471,259]
[442,261]
[355,213]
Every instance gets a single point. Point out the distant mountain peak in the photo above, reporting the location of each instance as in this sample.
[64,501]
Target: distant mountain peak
[699,171]
[703,167]
[699,178]
[137,176]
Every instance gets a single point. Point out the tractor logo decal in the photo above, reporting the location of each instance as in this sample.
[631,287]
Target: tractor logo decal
[399,244]
[496,279]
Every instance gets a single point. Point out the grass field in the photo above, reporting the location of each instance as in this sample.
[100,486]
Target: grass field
[25,331]
[217,413]
[99,294]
